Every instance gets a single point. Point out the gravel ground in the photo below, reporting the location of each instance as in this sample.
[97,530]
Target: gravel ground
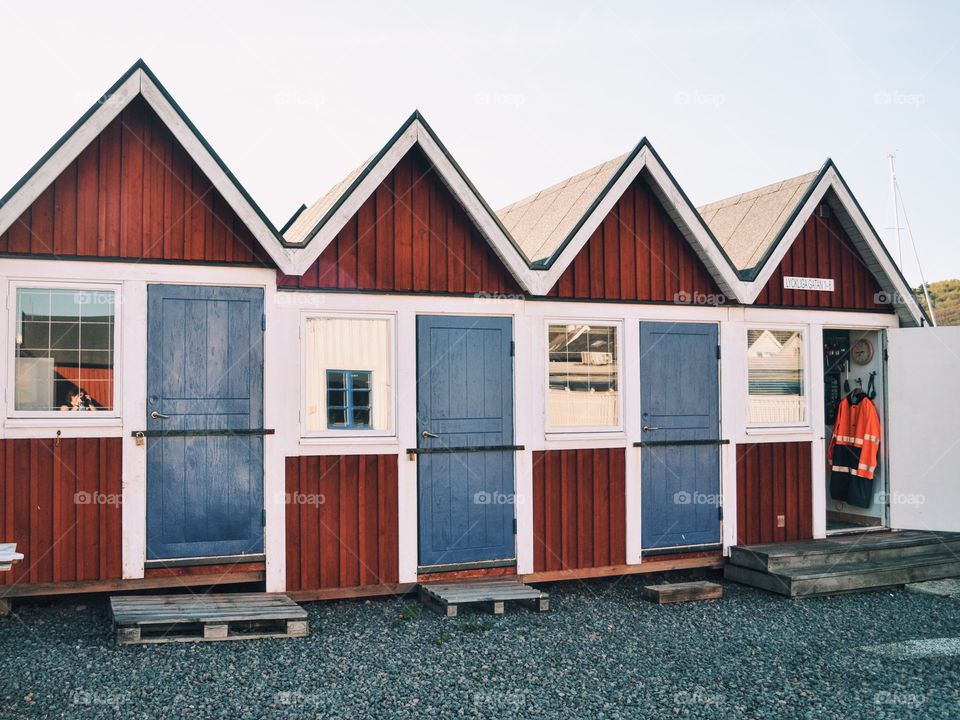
[600,653]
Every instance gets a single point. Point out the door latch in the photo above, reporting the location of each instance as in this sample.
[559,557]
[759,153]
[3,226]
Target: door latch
[159,416]
[428,434]
[650,428]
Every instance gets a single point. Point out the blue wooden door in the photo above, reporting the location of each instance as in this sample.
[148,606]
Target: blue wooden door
[464,403]
[205,374]
[680,455]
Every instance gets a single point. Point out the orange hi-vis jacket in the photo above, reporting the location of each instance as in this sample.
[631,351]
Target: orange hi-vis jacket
[855,445]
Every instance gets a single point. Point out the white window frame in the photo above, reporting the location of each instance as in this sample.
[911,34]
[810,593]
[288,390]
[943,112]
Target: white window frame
[554,432]
[352,434]
[806,385]
[43,417]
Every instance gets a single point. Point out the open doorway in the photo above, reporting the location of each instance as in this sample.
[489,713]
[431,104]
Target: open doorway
[855,421]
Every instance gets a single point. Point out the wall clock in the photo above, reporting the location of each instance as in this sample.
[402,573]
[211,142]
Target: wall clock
[862,352]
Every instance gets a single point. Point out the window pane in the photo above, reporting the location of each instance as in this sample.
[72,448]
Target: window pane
[64,350]
[583,376]
[361,398]
[336,398]
[336,418]
[353,355]
[361,418]
[775,377]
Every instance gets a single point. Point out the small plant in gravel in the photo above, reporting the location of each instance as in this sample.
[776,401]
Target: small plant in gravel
[442,637]
[475,625]
[408,612]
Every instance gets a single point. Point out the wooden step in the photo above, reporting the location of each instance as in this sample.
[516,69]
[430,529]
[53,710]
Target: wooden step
[186,618]
[848,577]
[846,549]
[682,592]
[445,598]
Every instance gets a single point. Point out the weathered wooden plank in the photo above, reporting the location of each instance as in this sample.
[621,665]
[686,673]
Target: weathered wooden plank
[682,592]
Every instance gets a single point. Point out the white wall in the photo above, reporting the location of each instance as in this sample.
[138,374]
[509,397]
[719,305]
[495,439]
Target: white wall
[282,386]
[924,428]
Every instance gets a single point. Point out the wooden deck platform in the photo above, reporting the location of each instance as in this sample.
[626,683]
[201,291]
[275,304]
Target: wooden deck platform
[445,598]
[846,563]
[187,618]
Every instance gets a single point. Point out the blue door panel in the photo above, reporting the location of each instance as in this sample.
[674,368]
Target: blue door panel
[465,397]
[204,371]
[679,401]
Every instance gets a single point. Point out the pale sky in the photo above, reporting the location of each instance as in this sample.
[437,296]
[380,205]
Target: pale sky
[732,95]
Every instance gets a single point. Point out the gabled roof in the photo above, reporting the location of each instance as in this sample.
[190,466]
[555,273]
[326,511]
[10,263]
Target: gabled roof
[746,225]
[553,225]
[740,240]
[777,214]
[139,81]
[317,226]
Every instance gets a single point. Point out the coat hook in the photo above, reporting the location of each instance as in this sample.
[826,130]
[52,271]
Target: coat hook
[57,441]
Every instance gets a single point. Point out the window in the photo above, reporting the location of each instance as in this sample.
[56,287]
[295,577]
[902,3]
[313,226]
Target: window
[64,350]
[775,377]
[583,370]
[348,375]
[348,399]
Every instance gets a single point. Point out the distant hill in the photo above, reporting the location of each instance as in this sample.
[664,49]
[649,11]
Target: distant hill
[946,300]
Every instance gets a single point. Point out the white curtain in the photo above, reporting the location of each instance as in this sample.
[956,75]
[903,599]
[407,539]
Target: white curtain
[348,344]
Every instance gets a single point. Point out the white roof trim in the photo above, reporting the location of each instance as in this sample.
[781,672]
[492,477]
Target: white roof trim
[139,83]
[417,134]
[888,276]
[687,219]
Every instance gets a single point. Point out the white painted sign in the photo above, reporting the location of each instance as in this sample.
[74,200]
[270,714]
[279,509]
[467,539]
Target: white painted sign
[806,283]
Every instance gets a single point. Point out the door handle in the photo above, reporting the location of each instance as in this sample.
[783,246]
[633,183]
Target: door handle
[159,416]
[650,428]
[428,434]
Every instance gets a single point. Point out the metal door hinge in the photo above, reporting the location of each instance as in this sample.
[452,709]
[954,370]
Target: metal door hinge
[720,511]
[718,352]
[263,322]
[514,526]
[513,348]
[263,517]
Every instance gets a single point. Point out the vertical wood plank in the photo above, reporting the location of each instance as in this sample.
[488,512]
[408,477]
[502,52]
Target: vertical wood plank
[292,523]
[41,223]
[366,245]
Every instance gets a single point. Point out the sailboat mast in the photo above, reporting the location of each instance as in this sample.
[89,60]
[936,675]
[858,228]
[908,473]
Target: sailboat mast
[896,210]
[897,204]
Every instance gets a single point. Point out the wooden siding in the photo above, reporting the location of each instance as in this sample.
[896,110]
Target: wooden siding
[579,509]
[342,521]
[133,193]
[824,250]
[637,253]
[774,479]
[60,503]
[410,235]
